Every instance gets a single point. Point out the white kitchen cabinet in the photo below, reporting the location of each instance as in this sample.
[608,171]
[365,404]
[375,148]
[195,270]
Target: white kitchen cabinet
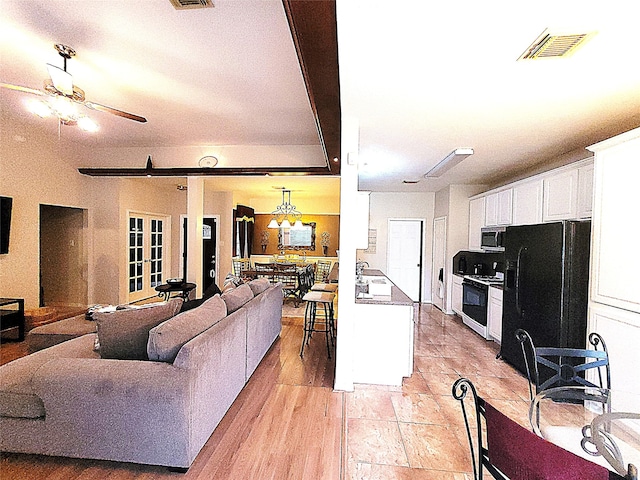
[498,208]
[456,294]
[476,222]
[585,191]
[561,196]
[615,227]
[494,313]
[527,203]
[620,329]
[491,210]
[505,206]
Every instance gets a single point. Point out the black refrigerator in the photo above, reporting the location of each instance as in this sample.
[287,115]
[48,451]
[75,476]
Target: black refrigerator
[546,286]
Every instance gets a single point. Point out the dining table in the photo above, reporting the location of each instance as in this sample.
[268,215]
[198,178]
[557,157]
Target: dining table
[599,424]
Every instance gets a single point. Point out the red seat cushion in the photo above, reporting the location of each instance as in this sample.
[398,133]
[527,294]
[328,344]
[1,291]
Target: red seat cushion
[521,454]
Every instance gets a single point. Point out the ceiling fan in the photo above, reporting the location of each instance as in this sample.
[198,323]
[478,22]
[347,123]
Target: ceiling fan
[62,94]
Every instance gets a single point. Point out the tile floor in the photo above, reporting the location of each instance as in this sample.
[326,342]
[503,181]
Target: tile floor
[416,431]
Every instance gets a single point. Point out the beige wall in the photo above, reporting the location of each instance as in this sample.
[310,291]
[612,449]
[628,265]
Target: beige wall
[37,168]
[385,206]
[33,170]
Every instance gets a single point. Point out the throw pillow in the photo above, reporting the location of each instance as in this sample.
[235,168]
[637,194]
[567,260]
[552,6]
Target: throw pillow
[237,297]
[123,334]
[259,285]
[166,339]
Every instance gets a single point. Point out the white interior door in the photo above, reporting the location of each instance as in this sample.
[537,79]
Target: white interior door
[146,254]
[404,260]
[439,276]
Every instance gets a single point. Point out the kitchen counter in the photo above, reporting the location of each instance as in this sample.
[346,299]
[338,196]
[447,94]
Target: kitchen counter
[397,297]
[383,336]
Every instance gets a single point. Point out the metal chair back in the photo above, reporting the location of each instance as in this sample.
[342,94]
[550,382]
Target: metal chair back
[549,367]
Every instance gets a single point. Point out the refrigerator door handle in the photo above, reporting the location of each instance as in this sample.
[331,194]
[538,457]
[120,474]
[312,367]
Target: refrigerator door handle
[518,272]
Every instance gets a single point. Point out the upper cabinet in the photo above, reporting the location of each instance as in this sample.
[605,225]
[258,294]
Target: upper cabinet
[561,196]
[565,193]
[476,221]
[498,208]
[585,191]
[614,260]
[527,203]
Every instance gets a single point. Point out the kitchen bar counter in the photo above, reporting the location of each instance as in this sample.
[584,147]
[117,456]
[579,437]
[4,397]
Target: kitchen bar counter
[383,336]
[397,297]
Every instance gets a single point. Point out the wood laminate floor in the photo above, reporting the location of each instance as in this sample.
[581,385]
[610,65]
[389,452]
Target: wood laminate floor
[288,423]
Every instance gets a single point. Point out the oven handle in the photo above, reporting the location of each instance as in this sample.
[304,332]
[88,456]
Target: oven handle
[518,272]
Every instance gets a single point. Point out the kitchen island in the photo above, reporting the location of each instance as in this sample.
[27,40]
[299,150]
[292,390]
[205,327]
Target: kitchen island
[383,332]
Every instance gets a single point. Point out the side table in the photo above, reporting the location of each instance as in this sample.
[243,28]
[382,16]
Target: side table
[165,290]
[12,315]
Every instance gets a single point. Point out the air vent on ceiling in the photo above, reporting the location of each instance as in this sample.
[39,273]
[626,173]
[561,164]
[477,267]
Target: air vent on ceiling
[548,45]
[190,4]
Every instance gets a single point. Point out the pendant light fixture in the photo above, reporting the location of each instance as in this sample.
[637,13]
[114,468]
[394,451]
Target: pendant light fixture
[285,213]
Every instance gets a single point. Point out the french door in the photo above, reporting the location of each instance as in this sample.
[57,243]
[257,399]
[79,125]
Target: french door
[146,254]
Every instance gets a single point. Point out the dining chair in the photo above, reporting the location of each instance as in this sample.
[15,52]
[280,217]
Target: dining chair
[549,367]
[323,267]
[240,265]
[513,452]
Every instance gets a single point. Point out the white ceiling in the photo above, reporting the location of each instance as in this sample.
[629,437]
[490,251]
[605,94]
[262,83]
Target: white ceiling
[423,78]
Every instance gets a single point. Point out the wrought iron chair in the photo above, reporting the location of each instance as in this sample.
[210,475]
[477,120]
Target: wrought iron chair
[549,367]
[513,451]
[240,265]
[323,267]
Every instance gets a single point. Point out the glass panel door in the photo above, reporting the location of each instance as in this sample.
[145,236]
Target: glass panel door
[145,255]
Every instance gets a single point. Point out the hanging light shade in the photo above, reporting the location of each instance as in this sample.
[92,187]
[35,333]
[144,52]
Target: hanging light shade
[285,213]
[273,223]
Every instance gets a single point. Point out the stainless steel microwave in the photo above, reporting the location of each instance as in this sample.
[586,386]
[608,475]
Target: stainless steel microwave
[492,239]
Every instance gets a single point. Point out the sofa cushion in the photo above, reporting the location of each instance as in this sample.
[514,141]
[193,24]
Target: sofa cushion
[166,339]
[259,285]
[17,397]
[237,297]
[124,334]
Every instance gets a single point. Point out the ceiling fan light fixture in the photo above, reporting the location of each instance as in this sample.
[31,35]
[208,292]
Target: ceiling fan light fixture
[449,162]
[39,108]
[88,125]
[62,80]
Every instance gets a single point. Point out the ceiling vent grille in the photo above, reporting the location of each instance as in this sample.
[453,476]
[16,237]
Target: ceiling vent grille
[549,45]
[191,4]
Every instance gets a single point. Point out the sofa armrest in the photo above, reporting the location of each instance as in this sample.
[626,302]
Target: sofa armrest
[118,406]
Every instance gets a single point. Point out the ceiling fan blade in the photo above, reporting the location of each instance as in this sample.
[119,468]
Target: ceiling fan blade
[115,111]
[22,89]
[62,80]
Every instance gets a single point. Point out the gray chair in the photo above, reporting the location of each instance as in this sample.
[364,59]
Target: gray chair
[549,367]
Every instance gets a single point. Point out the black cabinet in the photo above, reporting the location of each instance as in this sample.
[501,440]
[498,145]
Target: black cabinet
[12,315]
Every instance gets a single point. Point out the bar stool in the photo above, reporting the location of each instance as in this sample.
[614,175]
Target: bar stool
[329,288]
[325,287]
[313,299]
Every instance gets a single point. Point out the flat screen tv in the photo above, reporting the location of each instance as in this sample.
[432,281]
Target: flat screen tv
[5,223]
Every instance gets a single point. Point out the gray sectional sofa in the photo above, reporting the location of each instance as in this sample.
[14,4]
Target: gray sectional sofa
[68,400]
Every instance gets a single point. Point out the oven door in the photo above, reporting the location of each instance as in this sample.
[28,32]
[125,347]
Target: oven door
[474,301]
